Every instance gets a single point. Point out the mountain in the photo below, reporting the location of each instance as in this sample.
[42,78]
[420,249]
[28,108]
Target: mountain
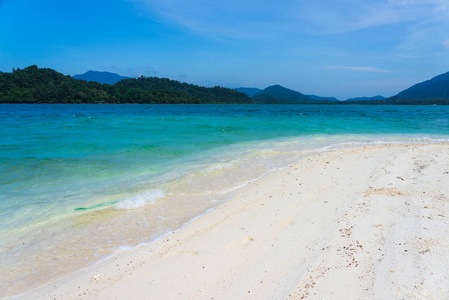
[100,77]
[277,94]
[205,95]
[250,92]
[315,97]
[378,97]
[36,85]
[435,88]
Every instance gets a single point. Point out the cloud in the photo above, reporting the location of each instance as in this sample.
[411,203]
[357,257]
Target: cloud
[356,68]
[349,15]
[271,19]
[232,18]
[429,34]
[446,44]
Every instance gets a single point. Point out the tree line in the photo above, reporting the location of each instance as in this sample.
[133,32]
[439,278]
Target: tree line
[43,85]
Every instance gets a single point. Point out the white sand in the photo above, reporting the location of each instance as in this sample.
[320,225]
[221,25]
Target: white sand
[362,223]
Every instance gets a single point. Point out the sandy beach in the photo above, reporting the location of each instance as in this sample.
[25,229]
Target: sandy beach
[354,223]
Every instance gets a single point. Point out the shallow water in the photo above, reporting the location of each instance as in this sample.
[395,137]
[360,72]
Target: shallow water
[77,182]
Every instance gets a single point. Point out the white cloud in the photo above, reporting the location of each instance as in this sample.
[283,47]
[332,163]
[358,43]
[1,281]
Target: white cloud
[231,18]
[258,18]
[446,44]
[411,27]
[356,68]
[428,34]
[348,15]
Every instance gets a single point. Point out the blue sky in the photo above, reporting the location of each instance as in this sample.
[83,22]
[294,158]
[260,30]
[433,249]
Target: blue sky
[344,48]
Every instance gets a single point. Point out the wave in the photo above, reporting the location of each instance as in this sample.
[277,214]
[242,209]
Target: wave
[139,200]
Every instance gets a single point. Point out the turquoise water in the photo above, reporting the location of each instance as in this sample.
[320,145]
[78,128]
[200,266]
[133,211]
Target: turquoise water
[62,163]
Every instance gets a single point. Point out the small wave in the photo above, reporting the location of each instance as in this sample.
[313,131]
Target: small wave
[140,200]
[430,139]
[220,166]
[100,205]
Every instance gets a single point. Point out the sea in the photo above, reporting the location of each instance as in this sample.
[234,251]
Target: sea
[79,183]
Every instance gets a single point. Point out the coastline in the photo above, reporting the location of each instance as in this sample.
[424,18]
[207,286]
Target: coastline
[371,219]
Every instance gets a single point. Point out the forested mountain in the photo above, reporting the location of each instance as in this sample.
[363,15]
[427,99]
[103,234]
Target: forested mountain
[277,94]
[433,91]
[318,98]
[100,77]
[250,92]
[378,97]
[34,85]
[435,88]
[206,95]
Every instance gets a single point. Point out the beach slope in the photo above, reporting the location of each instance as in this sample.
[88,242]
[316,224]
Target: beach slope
[354,223]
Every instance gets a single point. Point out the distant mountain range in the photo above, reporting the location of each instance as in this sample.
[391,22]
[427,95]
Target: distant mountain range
[250,92]
[315,97]
[433,91]
[35,85]
[435,88]
[277,94]
[100,77]
[378,97]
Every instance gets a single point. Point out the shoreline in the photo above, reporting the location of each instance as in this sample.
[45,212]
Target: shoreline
[291,232]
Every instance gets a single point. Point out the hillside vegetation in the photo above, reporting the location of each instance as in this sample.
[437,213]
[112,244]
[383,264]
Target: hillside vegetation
[435,88]
[36,85]
[277,94]
[207,95]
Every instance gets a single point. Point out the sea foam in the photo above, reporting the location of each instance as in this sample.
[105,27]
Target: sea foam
[140,200]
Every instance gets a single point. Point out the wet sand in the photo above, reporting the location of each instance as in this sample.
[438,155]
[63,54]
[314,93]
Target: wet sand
[358,223]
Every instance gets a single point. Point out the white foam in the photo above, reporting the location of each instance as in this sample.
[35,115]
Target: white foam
[430,139]
[220,166]
[140,200]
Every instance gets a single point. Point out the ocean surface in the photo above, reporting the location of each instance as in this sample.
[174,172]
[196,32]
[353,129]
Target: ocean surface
[80,182]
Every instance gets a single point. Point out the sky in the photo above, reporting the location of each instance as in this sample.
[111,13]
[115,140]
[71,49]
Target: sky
[339,48]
